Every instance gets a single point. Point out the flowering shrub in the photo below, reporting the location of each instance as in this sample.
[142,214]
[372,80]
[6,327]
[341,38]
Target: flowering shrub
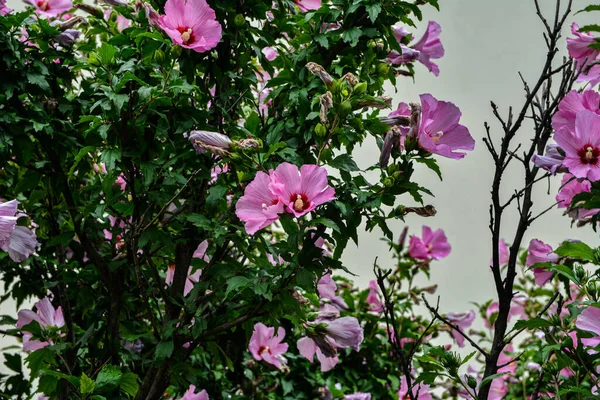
[178,188]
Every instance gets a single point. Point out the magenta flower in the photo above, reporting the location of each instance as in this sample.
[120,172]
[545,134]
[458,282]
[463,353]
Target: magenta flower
[191,24]
[308,348]
[427,48]
[259,206]
[373,300]
[570,187]
[307,5]
[571,105]
[358,396]
[46,316]
[552,161]
[503,254]
[327,289]
[270,53]
[539,252]
[464,321]
[301,190]
[191,394]
[582,147]
[432,246]
[192,277]
[589,320]
[420,391]
[264,345]
[3,9]
[18,241]
[579,48]
[51,8]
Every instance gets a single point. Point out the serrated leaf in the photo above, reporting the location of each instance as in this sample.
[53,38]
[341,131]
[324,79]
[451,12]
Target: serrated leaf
[129,384]
[373,10]
[86,384]
[106,53]
[236,282]
[344,162]
[352,35]
[578,250]
[164,350]
[108,378]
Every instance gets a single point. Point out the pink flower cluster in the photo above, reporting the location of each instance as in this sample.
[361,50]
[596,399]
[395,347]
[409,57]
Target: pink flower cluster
[287,188]
[439,131]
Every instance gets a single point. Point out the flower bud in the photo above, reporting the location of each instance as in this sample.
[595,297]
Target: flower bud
[350,78]
[395,121]
[381,103]
[415,120]
[95,11]
[360,88]
[319,71]
[383,69]
[326,102]
[248,143]
[116,3]
[239,21]
[471,381]
[320,130]
[152,15]
[71,22]
[210,141]
[388,182]
[345,108]
[67,37]
[159,56]
[391,142]
[579,273]
[176,51]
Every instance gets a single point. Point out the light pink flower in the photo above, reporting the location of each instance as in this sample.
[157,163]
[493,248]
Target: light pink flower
[345,332]
[579,48]
[506,358]
[571,105]
[589,320]
[216,171]
[498,389]
[503,254]
[307,5]
[427,48]
[420,391]
[193,277]
[18,241]
[270,53]
[191,394]
[582,147]
[3,9]
[308,348]
[539,252]
[327,290]
[357,396]
[191,24]
[570,187]
[264,345]
[46,316]
[432,246]
[259,206]
[373,300]
[51,8]
[552,161]
[464,321]
[301,190]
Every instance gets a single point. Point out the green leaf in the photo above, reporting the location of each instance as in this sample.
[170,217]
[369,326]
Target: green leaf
[491,378]
[39,359]
[164,350]
[589,8]
[431,163]
[129,384]
[306,279]
[322,40]
[86,385]
[352,35]
[578,250]
[236,282]
[590,28]
[82,153]
[533,323]
[109,377]
[373,10]
[106,53]
[38,80]
[109,157]
[344,162]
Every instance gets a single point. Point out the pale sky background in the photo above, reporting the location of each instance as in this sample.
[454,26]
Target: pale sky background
[487,42]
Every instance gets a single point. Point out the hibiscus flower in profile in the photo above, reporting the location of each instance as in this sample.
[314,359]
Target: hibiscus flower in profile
[463,321]
[589,320]
[301,190]
[582,147]
[424,50]
[191,24]
[439,131]
[18,241]
[51,8]
[265,345]
[432,246]
[540,252]
[307,5]
[46,315]
[191,394]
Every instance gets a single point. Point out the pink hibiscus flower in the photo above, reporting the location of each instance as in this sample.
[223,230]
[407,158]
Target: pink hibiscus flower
[570,187]
[18,241]
[265,345]
[432,246]
[191,24]
[259,206]
[420,391]
[579,48]
[552,161]
[373,300]
[306,5]
[539,252]
[3,9]
[46,316]
[571,105]
[589,320]
[464,321]
[327,289]
[582,147]
[301,190]
[424,50]
[191,394]
[51,8]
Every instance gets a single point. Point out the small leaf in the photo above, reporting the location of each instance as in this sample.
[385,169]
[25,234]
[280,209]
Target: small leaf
[129,384]
[164,350]
[352,35]
[533,323]
[236,282]
[86,385]
[578,250]
[345,163]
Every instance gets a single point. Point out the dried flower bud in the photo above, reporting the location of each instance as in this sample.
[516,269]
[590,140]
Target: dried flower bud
[95,11]
[402,239]
[350,78]
[67,37]
[71,22]
[213,142]
[395,121]
[152,15]
[115,3]
[299,298]
[319,71]
[248,143]
[326,103]
[430,289]
[427,211]
[391,142]
[381,103]
[415,120]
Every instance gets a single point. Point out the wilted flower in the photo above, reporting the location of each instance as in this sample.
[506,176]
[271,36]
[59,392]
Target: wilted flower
[18,241]
[381,102]
[326,102]
[116,3]
[191,394]
[191,24]
[51,8]
[265,345]
[319,71]
[432,246]
[301,190]
[393,140]
[427,48]
[46,315]
[259,206]
[582,147]
[152,15]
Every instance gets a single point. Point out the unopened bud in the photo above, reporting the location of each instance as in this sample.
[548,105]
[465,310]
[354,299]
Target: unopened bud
[152,15]
[383,69]
[72,22]
[395,121]
[471,381]
[591,289]
[116,3]
[381,103]
[326,102]
[95,11]
[350,78]
[415,120]
[360,88]
[391,142]
[579,273]
[320,130]
[319,71]
[427,211]
[388,182]
[213,142]
[402,239]
[345,108]
[239,20]
[430,289]
[159,56]
[176,51]
[299,298]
